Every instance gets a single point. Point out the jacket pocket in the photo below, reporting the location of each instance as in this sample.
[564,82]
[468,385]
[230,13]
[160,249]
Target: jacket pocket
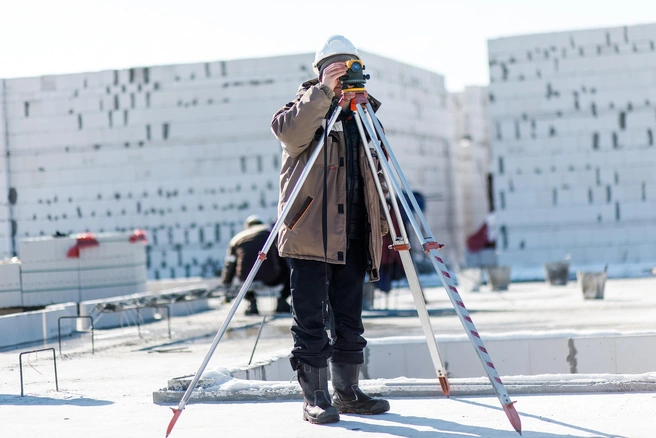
[298,215]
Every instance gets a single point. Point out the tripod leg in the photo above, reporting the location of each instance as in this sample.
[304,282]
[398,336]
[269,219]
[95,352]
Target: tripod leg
[251,275]
[402,245]
[431,247]
[422,312]
[402,184]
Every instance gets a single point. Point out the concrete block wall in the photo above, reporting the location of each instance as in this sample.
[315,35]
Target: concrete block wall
[471,140]
[573,146]
[185,151]
[471,118]
[10,283]
[5,206]
[471,192]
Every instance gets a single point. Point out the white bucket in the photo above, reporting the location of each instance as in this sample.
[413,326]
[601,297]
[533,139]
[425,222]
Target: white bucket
[498,277]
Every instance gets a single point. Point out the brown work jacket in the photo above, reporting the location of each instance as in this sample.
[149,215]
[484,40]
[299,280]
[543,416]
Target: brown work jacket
[297,125]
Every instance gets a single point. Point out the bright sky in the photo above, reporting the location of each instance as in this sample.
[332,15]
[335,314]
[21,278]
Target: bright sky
[40,37]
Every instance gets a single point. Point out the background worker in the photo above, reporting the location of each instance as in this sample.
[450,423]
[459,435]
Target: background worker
[242,254]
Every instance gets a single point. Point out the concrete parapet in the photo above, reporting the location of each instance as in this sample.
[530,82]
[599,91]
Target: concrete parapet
[210,390]
[515,354]
[39,325]
[525,354]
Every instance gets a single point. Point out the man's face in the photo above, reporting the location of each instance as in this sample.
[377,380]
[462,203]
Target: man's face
[338,89]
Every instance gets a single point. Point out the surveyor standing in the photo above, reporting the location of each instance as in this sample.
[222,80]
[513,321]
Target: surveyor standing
[327,273]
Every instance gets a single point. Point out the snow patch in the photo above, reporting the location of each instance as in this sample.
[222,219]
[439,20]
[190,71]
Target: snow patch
[225,382]
[219,375]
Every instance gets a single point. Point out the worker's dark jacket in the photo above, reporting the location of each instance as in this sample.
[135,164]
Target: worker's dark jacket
[243,252]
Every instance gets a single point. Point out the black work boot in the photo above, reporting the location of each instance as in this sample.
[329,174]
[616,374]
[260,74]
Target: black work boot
[252,306]
[283,306]
[314,383]
[348,398]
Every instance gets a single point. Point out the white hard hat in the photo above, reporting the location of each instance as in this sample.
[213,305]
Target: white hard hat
[253,220]
[334,45]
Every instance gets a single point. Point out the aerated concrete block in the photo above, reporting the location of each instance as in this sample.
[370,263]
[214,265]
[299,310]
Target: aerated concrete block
[10,284]
[36,326]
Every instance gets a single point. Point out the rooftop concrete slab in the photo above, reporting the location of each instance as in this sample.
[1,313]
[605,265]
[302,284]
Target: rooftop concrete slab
[110,393]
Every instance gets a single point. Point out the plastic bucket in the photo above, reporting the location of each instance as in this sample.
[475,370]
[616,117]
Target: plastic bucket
[498,277]
[556,273]
[592,284]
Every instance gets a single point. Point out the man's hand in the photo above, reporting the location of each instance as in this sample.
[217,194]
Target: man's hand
[332,73]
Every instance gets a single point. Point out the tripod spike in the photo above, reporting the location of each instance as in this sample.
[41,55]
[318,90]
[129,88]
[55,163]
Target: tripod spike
[176,415]
[444,384]
[513,416]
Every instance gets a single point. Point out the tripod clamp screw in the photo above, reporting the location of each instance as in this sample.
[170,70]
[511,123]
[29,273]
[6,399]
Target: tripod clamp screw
[428,246]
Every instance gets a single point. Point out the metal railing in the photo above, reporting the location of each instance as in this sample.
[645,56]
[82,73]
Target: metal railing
[20,365]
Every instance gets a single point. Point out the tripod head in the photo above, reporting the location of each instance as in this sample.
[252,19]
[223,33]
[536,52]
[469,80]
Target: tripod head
[353,97]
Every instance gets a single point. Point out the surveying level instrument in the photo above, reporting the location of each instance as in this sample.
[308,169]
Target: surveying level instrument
[354,78]
[355,96]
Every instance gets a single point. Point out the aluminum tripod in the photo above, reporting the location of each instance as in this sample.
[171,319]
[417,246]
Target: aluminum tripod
[397,185]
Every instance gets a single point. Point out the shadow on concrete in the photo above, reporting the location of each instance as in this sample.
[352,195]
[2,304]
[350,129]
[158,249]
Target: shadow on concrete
[412,313]
[29,400]
[439,428]
[546,420]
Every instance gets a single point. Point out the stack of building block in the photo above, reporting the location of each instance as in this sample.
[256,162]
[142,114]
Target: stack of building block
[185,151]
[81,267]
[10,283]
[573,146]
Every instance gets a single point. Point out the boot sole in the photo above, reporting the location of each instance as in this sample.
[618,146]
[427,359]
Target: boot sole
[326,420]
[345,410]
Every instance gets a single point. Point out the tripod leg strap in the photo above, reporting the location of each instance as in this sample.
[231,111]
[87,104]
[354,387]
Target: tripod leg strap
[328,317]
